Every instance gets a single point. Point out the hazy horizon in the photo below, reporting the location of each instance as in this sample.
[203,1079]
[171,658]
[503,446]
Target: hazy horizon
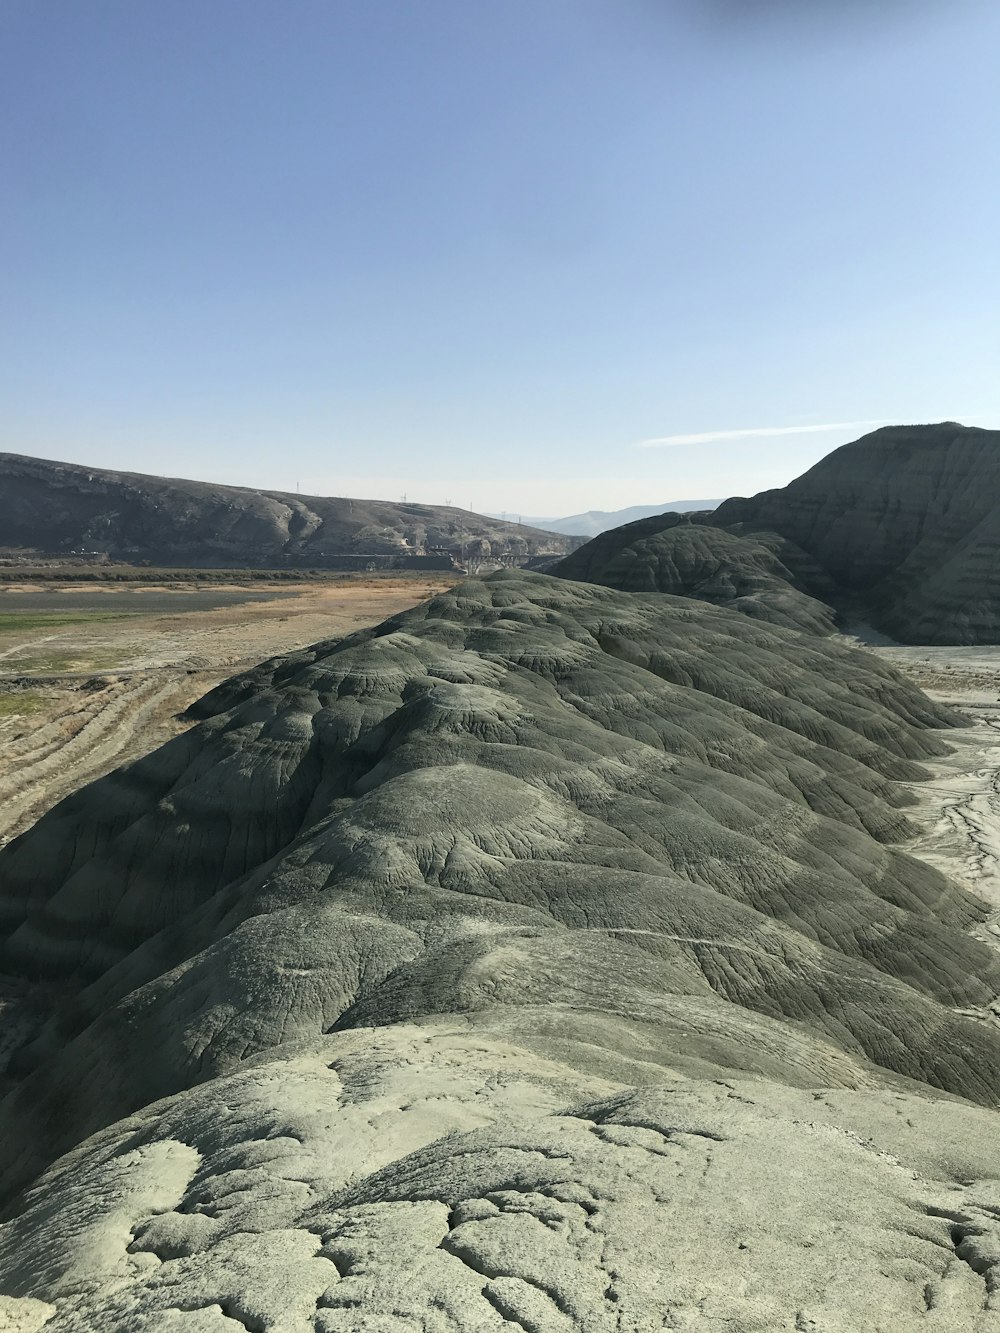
[542,259]
[514,513]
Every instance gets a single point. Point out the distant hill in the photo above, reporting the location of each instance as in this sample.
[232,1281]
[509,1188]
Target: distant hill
[596,521]
[681,555]
[60,508]
[905,522]
[900,528]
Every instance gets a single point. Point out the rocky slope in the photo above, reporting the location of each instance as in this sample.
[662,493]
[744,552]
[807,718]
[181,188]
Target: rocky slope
[539,958]
[906,522]
[685,557]
[61,507]
[900,528]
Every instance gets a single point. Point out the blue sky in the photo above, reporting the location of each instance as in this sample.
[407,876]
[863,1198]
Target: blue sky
[481,252]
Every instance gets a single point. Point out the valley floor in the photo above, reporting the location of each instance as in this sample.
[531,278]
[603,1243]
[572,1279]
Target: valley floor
[959,809]
[94,675]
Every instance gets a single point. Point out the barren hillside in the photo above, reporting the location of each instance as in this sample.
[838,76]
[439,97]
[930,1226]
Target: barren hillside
[62,507]
[540,957]
[906,524]
[900,528]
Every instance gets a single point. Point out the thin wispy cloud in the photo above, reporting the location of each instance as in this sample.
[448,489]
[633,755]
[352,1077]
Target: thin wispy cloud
[753,432]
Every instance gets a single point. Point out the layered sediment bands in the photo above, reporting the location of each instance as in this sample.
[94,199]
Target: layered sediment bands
[906,521]
[901,528]
[685,557]
[433,971]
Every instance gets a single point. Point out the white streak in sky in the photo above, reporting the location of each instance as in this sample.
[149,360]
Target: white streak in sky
[710,436]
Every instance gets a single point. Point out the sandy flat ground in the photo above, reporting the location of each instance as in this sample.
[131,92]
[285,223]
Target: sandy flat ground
[93,676]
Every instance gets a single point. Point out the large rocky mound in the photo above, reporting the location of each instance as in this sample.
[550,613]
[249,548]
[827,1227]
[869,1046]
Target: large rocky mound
[539,958]
[61,507]
[906,522]
[900,528]
[675,554]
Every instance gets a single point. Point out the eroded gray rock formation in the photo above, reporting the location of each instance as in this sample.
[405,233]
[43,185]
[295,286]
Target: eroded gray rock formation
[539,958]
[900,528]
[430,1177]
[687,557]
[906,522]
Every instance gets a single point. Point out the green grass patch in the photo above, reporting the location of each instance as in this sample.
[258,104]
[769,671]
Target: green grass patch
[20,703]
[55,663]
[22,622]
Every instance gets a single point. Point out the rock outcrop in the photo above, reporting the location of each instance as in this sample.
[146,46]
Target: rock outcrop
[540,958]
[905,522]
[61,507]
[686,557]
[900,529]
[428,1176]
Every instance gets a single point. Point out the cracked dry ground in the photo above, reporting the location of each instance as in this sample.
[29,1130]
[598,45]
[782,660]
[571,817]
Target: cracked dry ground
[545,958]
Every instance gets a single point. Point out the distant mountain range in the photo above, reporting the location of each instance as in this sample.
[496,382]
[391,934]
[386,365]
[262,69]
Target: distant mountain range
[595,521]
[64,508]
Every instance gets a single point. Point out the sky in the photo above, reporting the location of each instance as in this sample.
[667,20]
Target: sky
[538,256]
